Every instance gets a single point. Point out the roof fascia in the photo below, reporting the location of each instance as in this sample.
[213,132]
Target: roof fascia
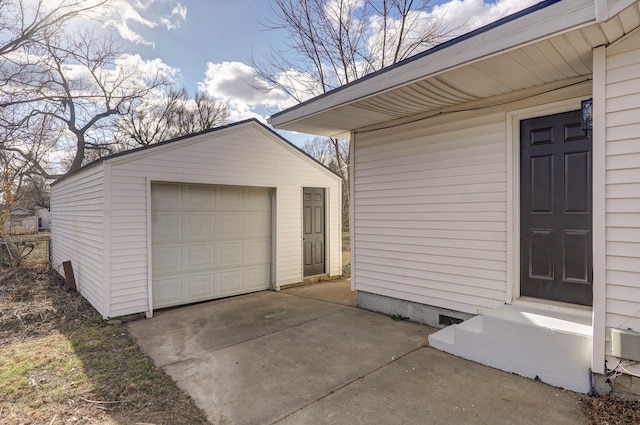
[296,150]
[449,55]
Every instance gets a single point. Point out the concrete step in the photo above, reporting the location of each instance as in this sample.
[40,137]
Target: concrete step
[535,342]
[444,337]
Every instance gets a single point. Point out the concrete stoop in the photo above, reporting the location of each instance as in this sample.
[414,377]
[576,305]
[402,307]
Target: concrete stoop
[538,343]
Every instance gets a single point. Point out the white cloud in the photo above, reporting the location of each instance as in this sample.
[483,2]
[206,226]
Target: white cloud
[471,14]
[175,19]
[124,16]
[146,68]
[246,94]
[447,20]
[335,9]
[237,83]
[130,72]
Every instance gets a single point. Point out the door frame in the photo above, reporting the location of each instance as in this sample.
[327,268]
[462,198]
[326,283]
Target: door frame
[327,265]
[154,179]
[513,119]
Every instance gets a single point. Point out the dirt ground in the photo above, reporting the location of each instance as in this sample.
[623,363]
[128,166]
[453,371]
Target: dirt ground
[60,363]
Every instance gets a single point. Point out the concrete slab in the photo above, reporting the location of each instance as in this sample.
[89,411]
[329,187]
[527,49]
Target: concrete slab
[190,332]
[431,387]
[267,378]
[280,358]
[335,291]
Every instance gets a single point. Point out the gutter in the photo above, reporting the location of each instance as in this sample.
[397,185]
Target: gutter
[407,75]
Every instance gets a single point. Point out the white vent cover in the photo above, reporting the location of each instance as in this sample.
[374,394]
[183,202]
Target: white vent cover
[625,344]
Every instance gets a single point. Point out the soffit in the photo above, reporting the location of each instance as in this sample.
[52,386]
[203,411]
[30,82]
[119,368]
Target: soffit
[554,59]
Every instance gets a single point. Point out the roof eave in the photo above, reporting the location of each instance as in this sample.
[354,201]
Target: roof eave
[505,34]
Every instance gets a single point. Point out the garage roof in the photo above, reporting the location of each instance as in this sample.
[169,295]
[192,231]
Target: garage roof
[248,122]
[549,43]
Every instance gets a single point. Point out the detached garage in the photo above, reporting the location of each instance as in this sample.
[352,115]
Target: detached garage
[224,212]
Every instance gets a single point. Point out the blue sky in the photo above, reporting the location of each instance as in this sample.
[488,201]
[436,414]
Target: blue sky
[213,31]
[207,43]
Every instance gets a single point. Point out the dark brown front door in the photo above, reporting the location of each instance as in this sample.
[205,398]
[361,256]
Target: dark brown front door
[313,237]
[555,209]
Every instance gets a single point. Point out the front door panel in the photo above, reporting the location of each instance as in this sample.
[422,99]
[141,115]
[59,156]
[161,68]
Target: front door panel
[313,231]
[555,209]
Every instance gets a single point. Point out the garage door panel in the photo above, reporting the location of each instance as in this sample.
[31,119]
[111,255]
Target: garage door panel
[167,259]
[166,291]
[257,252]
[231,226]
[198,197]
[209,242]
[167,227]
[229,254]
[199,226]
[229,198]
[199,287]
[258,199]
[198,257]
[230,282]
[258,225]
[255,277]
[170,199]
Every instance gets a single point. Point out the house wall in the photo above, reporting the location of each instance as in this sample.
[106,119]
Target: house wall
[434,213]
[244,155]
[430,213]
[623,183]
[77,231]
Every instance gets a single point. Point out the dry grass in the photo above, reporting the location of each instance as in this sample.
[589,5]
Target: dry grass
[30,250]
[346,254]
[61,363]
[610,410]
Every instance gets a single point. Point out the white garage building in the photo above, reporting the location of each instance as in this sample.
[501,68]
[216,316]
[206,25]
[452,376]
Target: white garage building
[223,212]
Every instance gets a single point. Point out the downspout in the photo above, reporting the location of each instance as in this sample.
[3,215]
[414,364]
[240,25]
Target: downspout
[352,203]
[599,211]
[149,312]
[106,239]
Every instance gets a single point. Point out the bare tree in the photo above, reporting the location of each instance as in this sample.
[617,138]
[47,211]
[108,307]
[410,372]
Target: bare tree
[333,42]
[26,149]
[323,150]
[76,81]
[176,114]
[32,193]
[24,26]
[199,114]
[29,22]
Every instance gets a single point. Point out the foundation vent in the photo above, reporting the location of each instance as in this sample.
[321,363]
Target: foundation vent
[448,320]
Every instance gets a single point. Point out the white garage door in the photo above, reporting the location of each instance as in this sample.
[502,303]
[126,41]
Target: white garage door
[209,242]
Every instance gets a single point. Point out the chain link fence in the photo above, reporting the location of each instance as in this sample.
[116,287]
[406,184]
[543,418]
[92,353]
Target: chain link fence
[346,254]
[25,250]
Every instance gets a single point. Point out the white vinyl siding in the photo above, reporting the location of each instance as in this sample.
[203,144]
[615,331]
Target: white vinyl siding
[430,213]
[623,183]
[240,156]
[77,231]
[102,214]
[128,244]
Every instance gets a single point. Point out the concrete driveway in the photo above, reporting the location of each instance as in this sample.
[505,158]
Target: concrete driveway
[307,355]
